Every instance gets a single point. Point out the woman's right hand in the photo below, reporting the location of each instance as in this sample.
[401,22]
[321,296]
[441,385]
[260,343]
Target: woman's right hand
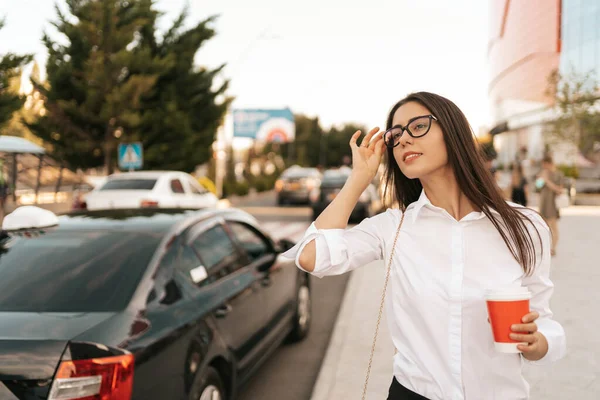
[366,158]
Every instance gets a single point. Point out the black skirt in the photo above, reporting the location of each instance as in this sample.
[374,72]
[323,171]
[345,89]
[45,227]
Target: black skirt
[399,392]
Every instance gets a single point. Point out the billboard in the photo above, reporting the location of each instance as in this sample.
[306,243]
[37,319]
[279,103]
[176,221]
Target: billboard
[264,125]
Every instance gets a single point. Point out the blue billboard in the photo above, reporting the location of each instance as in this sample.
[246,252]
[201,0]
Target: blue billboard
[273,125]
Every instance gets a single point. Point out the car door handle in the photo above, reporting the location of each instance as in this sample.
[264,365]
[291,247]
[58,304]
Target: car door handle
[222,311]
[266,281]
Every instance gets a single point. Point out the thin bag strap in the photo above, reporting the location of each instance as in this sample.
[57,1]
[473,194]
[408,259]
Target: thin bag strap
[387,277]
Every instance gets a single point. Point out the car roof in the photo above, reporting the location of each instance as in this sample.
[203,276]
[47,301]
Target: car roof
[145,174]
[147,220]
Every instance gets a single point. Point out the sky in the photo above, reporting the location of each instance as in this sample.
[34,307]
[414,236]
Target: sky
[341,60]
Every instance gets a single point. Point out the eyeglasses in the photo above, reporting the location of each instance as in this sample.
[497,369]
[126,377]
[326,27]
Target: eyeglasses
[417,127]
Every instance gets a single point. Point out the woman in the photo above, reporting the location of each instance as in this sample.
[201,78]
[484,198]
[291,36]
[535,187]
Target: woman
[550,184]
[458,238]
[518,185]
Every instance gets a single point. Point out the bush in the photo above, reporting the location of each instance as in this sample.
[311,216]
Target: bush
[570,171]
[261,184]
[233,188]
[242,188]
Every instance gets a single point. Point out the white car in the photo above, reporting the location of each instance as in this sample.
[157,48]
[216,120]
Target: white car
[159,189]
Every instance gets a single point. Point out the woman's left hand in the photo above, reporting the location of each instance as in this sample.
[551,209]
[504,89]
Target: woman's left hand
[537,345]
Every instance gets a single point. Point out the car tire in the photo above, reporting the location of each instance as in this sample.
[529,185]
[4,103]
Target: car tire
[303,312]
[211,386]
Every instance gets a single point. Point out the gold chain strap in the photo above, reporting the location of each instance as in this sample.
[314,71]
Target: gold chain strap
[387,277]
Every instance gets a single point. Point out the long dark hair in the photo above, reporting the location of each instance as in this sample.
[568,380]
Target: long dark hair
[474,179]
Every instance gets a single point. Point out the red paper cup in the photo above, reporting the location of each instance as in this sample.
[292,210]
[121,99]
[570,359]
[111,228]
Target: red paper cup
[506,306]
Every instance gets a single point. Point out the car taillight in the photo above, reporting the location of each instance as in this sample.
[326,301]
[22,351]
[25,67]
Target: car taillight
[314,195]
[109,378]
[279,185]
[149,203]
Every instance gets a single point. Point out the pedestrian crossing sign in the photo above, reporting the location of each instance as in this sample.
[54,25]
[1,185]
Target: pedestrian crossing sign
[131,156]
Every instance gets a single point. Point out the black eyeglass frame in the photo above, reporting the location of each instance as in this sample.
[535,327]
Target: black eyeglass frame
[405,128]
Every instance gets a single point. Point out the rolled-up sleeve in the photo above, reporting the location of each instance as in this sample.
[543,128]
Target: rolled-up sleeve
[541,287]
[341,250]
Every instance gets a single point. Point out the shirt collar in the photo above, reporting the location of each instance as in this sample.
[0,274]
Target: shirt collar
[424,201]
[418,205]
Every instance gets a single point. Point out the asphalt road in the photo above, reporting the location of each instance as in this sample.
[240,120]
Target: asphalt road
[291,372]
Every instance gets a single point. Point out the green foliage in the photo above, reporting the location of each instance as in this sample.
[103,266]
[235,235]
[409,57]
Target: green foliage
[315,146]
[570,171]
[93,90]
[114,81]
[578,119]
[10,69]
[182,112]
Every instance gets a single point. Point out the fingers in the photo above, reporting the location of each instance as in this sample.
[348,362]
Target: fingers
[521,337]
[354,138]
[379,147]
[367,140]
[532,316]
[533,344]
[373,142]
[531,327]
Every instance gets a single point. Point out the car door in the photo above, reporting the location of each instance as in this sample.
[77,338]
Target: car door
[161,347]
[224,277]
[278,279]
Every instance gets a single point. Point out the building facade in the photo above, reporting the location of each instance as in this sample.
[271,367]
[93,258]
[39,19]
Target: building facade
[528,41]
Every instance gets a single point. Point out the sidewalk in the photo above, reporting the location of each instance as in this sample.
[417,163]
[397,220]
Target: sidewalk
[576,276]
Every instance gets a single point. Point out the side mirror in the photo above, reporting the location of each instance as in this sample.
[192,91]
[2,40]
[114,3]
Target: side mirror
[29,218]
[283,245]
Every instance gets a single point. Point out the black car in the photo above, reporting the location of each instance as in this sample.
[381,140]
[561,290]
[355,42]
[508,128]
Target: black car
[144,304]
[295,184]
[332,182]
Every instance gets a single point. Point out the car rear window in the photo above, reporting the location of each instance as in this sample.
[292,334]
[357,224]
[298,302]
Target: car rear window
[73,271]
[129,184]
[334,178]
[297,173]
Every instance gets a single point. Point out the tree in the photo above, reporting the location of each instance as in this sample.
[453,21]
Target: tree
[94,96]
[32,109]
[577,119]
[182,112]
[10,68]
[337,143]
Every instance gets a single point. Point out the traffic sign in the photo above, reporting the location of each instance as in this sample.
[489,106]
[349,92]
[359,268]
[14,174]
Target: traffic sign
[131,156]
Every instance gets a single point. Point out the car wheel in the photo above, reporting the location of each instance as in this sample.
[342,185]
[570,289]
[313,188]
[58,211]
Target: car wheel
[303,313]
[211,386]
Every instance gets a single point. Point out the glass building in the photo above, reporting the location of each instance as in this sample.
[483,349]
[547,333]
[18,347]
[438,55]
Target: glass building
[529,40]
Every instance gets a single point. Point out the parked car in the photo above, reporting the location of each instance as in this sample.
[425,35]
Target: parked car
[295,184]
[142,189]
[332,182]
[142,304]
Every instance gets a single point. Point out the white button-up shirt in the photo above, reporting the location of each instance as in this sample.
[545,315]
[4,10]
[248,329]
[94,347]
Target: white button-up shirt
[436,309]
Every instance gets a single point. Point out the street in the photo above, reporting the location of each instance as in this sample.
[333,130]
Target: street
[291,372]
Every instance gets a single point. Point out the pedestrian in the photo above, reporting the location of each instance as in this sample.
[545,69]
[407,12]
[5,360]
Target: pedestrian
[550,184]
[452,238]
[518,185]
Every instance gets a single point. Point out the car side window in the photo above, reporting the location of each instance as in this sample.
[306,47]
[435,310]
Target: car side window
[193,268]
[165,288]
[217,252]
[251,241]
[177,186]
